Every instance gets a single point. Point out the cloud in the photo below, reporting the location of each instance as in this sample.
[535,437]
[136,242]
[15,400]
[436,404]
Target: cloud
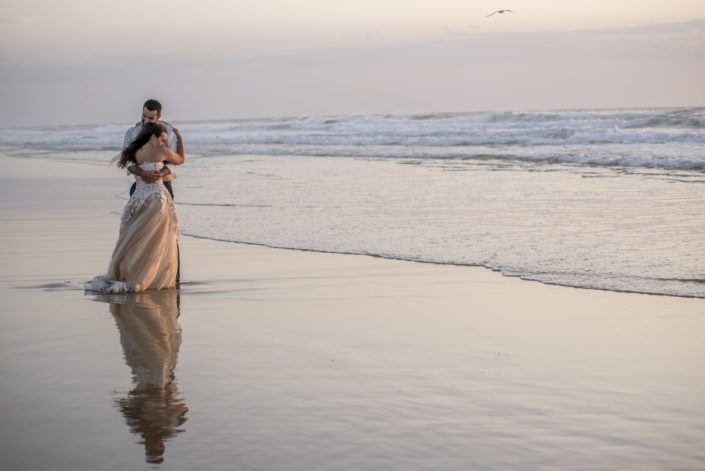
[693,30]
[459,30]
[697,25]
[16,20]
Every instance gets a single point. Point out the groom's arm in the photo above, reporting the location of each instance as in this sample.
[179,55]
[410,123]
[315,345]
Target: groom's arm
[178,157]
[148,176]
[179,144]
[169,167]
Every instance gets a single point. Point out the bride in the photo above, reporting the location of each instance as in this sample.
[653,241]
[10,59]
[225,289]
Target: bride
[146,254]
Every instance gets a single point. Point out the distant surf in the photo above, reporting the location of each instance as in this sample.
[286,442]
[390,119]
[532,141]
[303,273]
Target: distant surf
[648,138]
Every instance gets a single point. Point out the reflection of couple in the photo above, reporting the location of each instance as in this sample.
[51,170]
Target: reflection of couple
[145,261]
[146,253]
[150,336]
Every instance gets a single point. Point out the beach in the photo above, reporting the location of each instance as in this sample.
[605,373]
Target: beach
[402,236]
[287,359]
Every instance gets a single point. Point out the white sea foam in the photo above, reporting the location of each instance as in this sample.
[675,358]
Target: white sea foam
[670,139]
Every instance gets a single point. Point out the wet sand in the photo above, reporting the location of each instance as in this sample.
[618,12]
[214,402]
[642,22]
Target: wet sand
[300,360]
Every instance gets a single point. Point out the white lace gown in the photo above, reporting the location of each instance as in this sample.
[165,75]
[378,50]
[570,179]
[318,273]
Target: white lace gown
[146,254]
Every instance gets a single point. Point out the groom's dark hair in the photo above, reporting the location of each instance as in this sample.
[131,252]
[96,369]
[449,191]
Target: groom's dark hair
[153,105]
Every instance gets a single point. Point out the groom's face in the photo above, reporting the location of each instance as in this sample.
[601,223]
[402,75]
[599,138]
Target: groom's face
[149,116]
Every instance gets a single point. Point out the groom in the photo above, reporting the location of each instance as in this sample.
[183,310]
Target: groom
[152,113]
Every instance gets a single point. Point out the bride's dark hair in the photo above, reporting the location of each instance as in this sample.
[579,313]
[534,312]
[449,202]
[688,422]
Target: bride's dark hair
[148,130]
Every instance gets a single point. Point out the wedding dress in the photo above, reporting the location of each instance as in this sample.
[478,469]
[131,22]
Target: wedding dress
[145,255]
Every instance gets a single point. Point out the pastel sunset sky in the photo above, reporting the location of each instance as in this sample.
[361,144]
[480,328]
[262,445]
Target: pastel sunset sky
[96,61]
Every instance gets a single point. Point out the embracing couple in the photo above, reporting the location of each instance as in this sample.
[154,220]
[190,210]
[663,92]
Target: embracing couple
[146,254]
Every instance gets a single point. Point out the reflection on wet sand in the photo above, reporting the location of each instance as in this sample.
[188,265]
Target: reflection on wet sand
[150,336]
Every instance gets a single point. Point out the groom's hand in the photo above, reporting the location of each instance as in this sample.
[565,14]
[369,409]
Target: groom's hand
[151,176]
[147,176]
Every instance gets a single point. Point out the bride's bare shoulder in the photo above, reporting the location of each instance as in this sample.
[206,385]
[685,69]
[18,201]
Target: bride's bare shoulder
[139,155]
[146,155]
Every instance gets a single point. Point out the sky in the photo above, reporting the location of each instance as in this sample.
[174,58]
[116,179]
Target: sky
[96,61]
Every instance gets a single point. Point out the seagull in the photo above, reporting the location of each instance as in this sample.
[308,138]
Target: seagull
[499,11]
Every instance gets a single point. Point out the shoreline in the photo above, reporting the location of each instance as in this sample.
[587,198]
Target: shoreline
[424,262]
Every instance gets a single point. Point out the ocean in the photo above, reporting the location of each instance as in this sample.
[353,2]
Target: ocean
[601,199]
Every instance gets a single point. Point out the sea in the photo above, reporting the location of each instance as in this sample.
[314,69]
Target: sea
[599,199]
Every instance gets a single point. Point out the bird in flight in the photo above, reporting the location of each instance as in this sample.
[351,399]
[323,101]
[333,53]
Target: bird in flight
[499,11]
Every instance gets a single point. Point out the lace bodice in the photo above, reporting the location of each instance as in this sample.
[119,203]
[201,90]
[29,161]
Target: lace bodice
[143,190]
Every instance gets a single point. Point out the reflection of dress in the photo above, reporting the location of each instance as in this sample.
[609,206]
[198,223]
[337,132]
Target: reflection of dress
[145,255]
[150,336]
